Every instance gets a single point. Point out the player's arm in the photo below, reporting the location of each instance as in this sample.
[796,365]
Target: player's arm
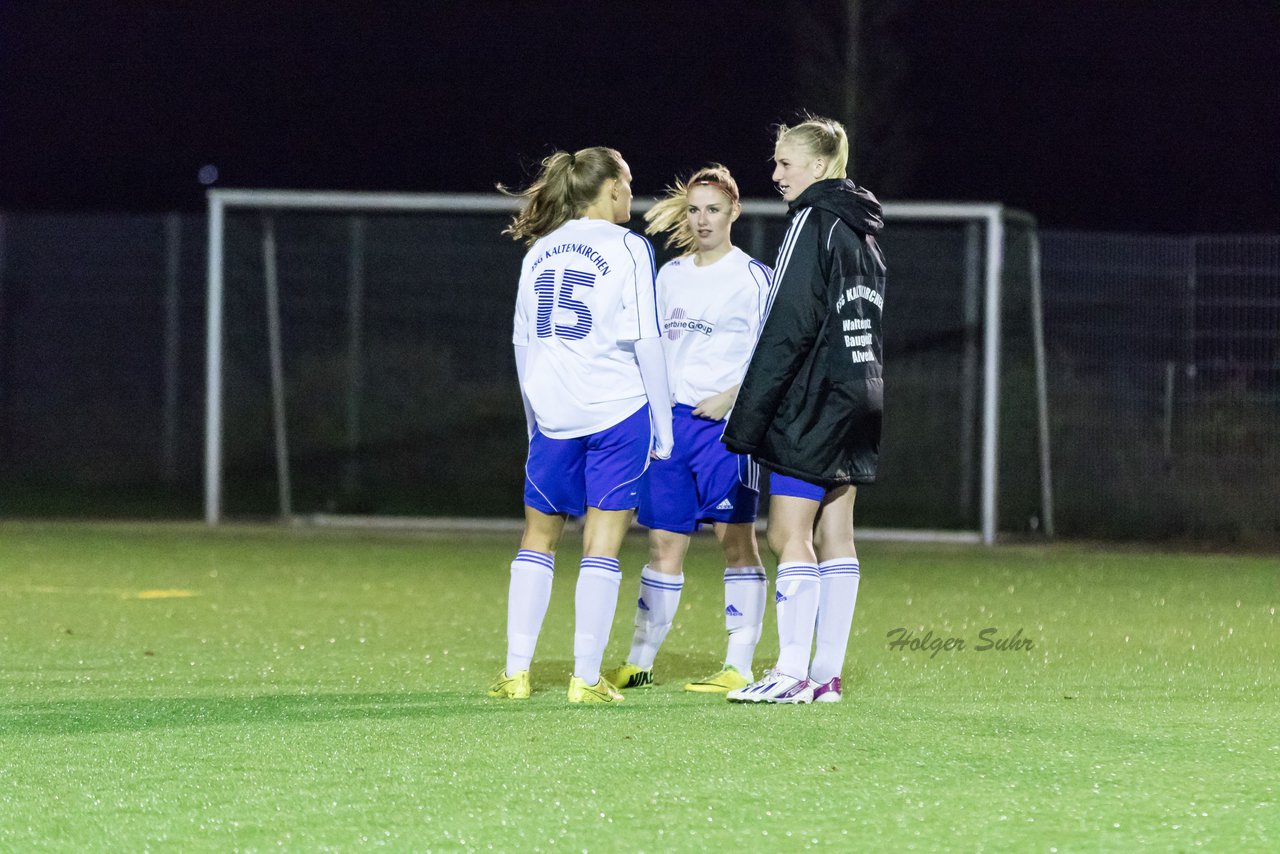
[792,322]
[522,355]
[640,325]
[653,373]
[520,343]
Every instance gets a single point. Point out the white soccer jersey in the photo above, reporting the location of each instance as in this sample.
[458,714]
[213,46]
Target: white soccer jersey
[711,317]
[586,289]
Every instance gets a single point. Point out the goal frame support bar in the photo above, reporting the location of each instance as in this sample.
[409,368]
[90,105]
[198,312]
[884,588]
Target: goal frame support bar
[992,215]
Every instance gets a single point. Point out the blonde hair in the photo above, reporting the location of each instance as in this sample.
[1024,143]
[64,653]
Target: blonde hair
[566,185]
[821,137]
[671,213]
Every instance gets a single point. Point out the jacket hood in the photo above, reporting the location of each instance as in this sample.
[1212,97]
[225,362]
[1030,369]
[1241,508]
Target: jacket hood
[859,209]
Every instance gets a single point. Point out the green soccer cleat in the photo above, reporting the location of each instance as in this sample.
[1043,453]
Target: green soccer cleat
[629,676]
[514,687]
[729,679]
[601,692]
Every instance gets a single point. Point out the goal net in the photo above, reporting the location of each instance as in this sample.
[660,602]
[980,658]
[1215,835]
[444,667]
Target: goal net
[359,362]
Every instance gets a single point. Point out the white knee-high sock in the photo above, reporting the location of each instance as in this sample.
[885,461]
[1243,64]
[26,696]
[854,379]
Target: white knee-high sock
[745,589]
[527,599]
[655,611]
[594,601]
[797,605]
[836,601]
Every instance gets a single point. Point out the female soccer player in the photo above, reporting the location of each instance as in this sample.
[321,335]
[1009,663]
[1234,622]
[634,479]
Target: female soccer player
[711,300]
[594,384]
[810,404]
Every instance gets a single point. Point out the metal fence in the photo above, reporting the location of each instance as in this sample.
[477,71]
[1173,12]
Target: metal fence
[1164,355]
[1164,373]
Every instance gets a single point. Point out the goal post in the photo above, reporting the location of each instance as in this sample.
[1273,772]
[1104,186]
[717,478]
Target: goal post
[971,240]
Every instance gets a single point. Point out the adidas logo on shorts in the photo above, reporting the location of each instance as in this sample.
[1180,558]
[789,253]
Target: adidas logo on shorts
[725,505]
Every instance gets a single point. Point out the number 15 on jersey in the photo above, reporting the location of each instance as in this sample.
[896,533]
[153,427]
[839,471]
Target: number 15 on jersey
[553,296]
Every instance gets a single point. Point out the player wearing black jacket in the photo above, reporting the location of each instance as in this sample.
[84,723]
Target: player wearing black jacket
[810,404]
[811,400]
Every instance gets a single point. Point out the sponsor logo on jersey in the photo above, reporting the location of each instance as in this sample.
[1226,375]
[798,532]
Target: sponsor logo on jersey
[679,323]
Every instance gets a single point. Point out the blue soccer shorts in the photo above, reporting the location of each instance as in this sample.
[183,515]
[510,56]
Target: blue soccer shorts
[603,470]
[781,484]
[702,482]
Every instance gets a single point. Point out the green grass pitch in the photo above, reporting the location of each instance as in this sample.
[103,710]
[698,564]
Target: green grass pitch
[172,688]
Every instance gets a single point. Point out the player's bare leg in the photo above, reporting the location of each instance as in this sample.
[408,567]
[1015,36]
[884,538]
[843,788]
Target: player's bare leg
[790,531]
[667,550]
[604,531]
[833,529]
[541,531]
[738,542]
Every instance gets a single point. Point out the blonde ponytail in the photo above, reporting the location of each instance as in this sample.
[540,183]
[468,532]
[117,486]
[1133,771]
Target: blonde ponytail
[566,185]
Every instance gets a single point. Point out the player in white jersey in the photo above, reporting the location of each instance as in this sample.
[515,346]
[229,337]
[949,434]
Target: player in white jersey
[711,300]
[597,406]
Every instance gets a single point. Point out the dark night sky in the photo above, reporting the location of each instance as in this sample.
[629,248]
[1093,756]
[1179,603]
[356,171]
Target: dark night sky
[1106,114]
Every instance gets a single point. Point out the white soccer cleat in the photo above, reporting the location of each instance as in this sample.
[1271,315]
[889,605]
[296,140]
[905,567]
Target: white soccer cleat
[827,692]
[775,687]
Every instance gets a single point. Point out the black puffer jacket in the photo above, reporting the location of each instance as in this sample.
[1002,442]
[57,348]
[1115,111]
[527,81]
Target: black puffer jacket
[811,401]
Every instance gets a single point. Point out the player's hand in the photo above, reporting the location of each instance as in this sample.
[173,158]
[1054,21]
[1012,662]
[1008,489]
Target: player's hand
[716,407]
[662,448]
